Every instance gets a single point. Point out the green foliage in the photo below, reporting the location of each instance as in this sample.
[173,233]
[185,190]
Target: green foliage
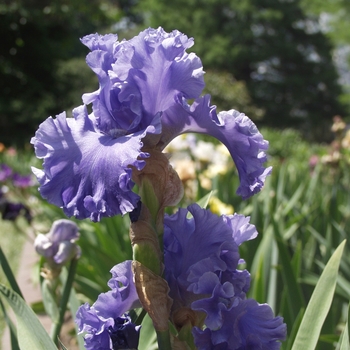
[108,244]
[31,334]
[333,18]
[275,48]
[39,63]
[228,93]
[289,144]
[302,216]
[319,304]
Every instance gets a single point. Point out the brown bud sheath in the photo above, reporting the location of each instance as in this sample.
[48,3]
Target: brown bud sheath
[153,294]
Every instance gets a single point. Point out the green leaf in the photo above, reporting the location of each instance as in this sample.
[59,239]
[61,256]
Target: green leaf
[293,200]
[12,328]
[61,344]
[294,329]
[348,323]
[74,305]
[30,333]
[261,267]
[9,274]
[258,290]
[319,304]
[203,202]
[289,274]
[148,337]
[345,341]
[49,301]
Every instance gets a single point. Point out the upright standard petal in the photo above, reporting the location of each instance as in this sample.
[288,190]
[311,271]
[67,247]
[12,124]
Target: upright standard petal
[141,77]
[87,172]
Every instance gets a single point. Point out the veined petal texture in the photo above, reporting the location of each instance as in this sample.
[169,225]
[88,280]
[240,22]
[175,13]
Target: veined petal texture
[201,259]
[199,252]
[85,171]
[245,325]
[140,77]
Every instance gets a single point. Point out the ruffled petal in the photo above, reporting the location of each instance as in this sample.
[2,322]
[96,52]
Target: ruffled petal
[234,129]
[247,325]
[157,63]
[87,172]
[201,258]
[106,323]
[140,77]
[242,230]
[123,296]
[63,230]
[193,247]
[88,321]
[97,336]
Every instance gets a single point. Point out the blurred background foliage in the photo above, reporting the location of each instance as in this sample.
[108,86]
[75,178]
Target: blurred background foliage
[302,215]
[285,63]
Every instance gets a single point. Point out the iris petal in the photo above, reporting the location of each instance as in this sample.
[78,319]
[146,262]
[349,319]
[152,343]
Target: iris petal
[106,323]
[86,172]
[197,246]
[140,77]
[248,325]
[234,129]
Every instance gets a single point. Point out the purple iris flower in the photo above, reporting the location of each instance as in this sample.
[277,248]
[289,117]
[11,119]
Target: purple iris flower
[11,211]
[201,267]
[201,259]
[141,103]
[22,181]
[59,246]
[5,172]
[105,324]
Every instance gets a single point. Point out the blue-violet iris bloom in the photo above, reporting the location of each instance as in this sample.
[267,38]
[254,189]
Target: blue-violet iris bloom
[141,104]
[201,267]
[5,172]
[22,181]
[59,246]
[201,258]
[11,211]
[106,324]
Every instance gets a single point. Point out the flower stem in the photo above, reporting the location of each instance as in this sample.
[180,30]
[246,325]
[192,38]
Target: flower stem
[163,338]
[56,327]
